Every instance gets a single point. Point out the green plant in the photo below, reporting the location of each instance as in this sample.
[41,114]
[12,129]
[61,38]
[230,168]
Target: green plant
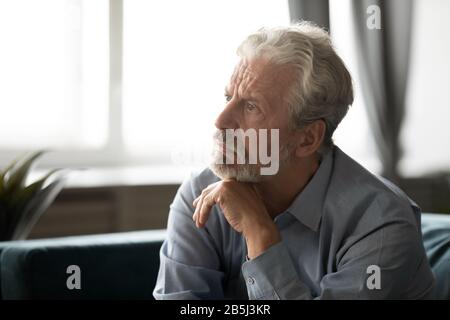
[22,204]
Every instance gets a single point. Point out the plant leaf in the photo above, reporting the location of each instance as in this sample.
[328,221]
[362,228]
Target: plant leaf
[3,175]
[21,198]
[3,222]
[19,174]
[36,206]
[24,195]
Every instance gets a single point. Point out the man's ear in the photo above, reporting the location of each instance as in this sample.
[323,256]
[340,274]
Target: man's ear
[311,138]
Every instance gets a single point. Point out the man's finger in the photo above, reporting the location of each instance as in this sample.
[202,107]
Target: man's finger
[205,209]
[197,209]
[196,201]
[204,192]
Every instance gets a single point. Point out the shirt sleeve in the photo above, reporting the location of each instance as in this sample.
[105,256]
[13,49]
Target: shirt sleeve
[189,260]
[393,247]
[272,276]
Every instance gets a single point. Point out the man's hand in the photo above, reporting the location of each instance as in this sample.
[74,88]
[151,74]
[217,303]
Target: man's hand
[244,210]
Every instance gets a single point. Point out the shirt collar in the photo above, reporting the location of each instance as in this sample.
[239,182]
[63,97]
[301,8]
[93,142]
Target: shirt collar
[307,206]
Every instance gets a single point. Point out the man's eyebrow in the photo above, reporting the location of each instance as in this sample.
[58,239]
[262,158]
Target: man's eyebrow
[254,98]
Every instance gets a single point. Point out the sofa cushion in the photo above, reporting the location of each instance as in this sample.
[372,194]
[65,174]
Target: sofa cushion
[113,266]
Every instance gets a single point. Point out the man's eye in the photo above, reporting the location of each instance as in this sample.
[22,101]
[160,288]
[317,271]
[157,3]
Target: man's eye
[227,98]
[250,107]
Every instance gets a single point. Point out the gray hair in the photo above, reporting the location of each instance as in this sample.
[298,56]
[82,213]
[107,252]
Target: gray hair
[323,86]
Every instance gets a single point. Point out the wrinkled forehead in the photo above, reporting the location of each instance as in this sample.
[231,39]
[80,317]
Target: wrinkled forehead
[260,75]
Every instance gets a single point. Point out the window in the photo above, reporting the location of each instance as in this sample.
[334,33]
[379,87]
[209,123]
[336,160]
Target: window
[54,74]
[62,91]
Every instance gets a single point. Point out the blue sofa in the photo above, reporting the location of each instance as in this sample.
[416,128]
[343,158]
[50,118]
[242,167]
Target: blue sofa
[125,265]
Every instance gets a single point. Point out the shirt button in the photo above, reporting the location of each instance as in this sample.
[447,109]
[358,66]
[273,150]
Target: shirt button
[251,280]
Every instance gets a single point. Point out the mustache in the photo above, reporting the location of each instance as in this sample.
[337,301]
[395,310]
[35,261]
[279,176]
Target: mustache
[226,150]
[219,136]
[219,139]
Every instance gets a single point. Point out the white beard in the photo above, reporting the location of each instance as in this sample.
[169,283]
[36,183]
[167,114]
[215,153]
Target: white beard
[243,172]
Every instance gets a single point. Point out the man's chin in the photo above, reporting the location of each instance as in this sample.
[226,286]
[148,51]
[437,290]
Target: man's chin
[242,173]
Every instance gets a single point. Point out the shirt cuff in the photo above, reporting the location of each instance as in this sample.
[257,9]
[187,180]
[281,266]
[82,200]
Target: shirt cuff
[270,275]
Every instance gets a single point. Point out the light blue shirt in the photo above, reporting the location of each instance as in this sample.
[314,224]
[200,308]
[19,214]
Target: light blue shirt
[344,222]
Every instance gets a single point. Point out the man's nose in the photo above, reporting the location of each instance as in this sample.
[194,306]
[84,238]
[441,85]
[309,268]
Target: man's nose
[228,118]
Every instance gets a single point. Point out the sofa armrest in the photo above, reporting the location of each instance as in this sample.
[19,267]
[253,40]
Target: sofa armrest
[436,240]
[112,266]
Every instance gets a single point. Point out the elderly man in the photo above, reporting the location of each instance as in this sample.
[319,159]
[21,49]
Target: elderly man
[321,227]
